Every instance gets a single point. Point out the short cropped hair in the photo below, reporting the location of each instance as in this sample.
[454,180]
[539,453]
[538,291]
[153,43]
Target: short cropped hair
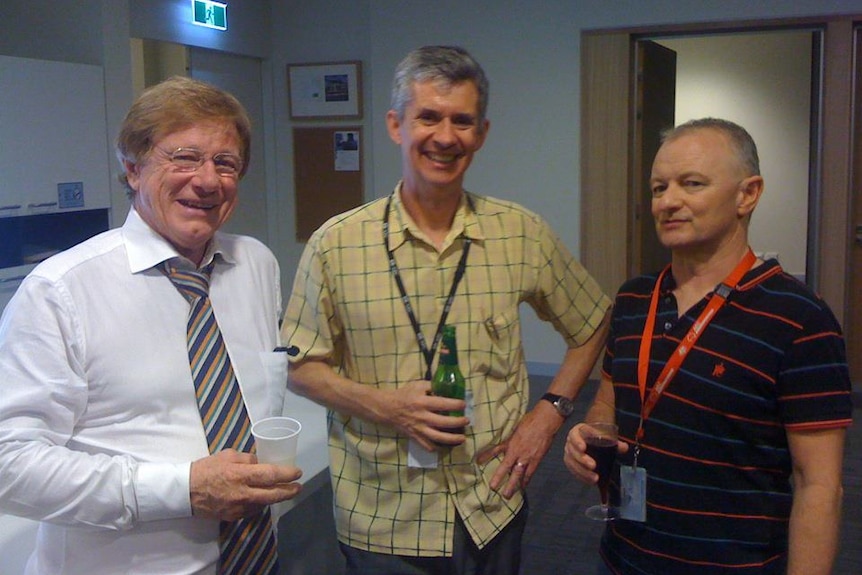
[741,141]
[449,65]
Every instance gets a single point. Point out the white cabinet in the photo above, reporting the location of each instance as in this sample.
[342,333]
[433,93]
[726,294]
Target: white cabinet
[55,152]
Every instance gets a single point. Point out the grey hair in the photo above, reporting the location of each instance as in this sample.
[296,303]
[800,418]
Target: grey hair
[449,65]
[741,141]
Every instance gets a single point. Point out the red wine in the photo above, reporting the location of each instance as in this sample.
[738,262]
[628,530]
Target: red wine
[604,451]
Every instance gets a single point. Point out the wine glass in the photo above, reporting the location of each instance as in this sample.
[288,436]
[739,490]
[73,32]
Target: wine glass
[601,439]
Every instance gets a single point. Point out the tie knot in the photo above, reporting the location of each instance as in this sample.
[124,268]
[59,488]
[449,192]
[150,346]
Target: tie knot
[192,284]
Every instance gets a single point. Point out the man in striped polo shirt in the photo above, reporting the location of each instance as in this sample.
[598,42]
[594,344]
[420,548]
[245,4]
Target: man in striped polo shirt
[728,380]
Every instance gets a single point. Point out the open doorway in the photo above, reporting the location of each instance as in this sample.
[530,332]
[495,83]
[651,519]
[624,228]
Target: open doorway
[763,82]
[608,156]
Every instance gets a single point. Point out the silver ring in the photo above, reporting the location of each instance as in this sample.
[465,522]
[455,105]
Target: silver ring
[520,464]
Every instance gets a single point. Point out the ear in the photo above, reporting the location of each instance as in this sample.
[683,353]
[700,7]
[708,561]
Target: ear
[133,174]
[393,126]
[748,194]
[483,133]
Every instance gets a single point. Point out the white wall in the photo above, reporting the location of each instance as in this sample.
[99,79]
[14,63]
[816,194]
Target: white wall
[763,83]
[303,32]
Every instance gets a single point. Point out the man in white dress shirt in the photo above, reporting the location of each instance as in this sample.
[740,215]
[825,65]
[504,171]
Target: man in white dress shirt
[101,438]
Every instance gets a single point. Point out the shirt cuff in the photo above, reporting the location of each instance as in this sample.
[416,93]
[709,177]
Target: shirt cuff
[162,491]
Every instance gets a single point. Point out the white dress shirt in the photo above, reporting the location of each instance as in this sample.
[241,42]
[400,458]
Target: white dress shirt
[98,418]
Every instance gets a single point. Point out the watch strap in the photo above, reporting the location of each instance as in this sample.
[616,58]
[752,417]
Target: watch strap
[562,404]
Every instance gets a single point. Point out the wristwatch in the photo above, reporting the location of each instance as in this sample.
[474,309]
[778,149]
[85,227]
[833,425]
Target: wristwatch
[563,405]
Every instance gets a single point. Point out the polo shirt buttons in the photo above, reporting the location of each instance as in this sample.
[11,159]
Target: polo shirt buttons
[668,325]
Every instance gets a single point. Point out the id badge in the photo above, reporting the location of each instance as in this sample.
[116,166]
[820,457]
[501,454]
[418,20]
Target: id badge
[421,458]
[633,484]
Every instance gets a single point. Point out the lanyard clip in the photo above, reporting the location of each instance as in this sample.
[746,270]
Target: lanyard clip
[639,434]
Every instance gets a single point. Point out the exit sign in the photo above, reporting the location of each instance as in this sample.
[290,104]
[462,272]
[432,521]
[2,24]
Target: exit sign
[210,14]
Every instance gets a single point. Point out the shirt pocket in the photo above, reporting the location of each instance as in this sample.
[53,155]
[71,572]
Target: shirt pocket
[275,378]
[263,380]
[497,345]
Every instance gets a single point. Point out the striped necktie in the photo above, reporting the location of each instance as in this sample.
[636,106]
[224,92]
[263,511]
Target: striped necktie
[247,546]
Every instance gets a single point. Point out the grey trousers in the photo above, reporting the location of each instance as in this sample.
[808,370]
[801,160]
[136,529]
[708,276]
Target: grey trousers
[502,556]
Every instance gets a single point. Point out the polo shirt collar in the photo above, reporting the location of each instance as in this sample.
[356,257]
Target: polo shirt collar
[751,278]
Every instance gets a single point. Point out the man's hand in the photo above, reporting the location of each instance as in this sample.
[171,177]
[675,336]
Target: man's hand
[524,450]
[230,485]
[410,409]
[414,412]
[576,459]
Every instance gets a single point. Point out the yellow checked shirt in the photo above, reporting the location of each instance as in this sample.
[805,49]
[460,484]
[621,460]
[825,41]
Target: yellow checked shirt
[346,309]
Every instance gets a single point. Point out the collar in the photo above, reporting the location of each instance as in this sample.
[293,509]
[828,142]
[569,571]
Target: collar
[466,221]
[146,249]
[753,277]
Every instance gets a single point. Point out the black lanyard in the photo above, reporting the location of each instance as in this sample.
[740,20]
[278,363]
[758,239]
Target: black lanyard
[396,274]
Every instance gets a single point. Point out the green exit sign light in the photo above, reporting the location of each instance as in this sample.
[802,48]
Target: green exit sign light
[210,14]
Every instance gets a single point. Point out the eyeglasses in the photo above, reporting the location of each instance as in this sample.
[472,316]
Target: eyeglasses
[191,159]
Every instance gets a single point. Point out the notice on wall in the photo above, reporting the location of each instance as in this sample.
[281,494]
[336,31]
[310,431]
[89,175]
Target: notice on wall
[346,152]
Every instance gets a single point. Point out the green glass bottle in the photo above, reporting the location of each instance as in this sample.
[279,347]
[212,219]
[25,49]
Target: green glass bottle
[448,380]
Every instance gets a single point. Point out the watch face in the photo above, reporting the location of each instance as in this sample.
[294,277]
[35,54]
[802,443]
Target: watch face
[565,406]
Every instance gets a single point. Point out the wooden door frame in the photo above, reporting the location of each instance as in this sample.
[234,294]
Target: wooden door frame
[854,304]
[607,156]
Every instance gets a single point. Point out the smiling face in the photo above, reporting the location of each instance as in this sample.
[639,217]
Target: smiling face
[702,196]
[186,208]
[439,133]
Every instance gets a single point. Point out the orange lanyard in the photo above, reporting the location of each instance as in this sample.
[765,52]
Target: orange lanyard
[671,368]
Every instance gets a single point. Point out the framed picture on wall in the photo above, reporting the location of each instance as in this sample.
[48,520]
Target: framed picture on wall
[329,90]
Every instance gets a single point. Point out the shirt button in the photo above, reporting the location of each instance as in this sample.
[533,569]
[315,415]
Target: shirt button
[667,325]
